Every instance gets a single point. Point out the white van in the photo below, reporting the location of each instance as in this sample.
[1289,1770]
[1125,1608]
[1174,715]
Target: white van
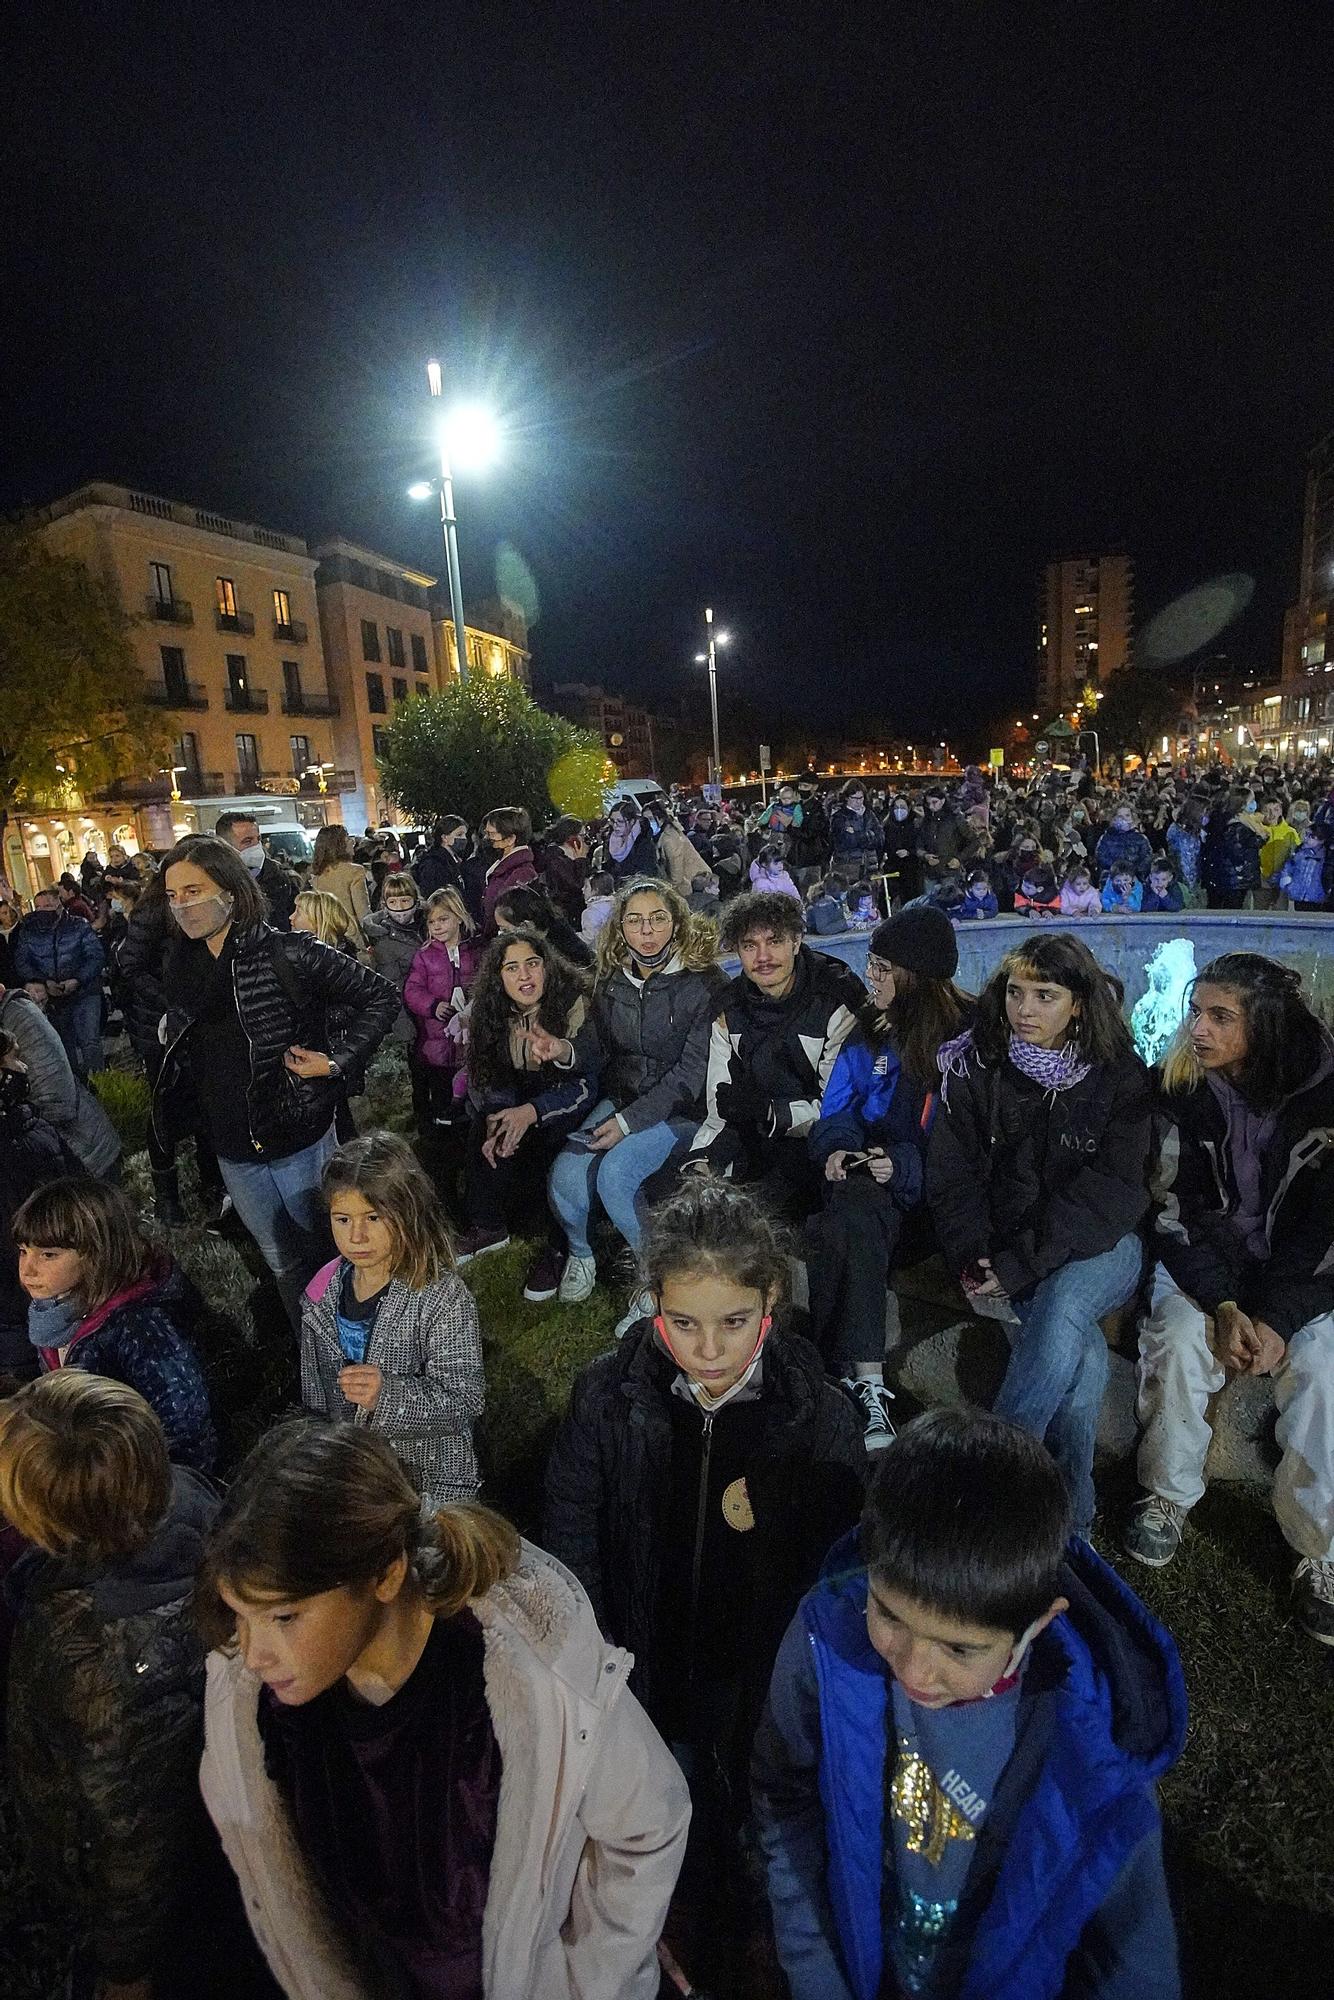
[636,789]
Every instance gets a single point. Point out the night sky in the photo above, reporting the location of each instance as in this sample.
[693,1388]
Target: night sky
[842,318]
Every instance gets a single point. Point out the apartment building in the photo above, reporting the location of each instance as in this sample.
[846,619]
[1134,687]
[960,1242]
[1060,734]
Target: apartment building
[1084,626]
[625,730]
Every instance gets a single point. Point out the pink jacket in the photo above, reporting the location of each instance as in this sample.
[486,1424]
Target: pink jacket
[1075,904]
[432,978]
[590,1831]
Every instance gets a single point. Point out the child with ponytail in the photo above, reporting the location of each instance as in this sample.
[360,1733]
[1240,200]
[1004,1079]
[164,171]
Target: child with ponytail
[388,1329]
[423,1760]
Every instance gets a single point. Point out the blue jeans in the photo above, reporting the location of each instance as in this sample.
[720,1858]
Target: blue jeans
[279,1202]
[613,1178]
[1058,1370]
[78,1022]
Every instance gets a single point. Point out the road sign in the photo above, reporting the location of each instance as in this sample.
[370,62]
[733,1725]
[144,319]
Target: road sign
[997,759]
[764,757]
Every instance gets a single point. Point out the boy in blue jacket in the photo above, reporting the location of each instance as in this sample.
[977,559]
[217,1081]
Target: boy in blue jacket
[954,1781]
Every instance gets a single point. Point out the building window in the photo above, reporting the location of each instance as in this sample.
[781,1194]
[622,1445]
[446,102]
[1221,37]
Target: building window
[375,700]
[378,742]
[173,672]
[226,597]
[395,642]
[370,639]
[418,653]
[236,675]
[282,609]
[301,757]
[292,685]
[400,690]
[160,573]
[247,761]
[185,758]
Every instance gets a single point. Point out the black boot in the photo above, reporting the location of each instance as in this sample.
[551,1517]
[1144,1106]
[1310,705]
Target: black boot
[167,1199]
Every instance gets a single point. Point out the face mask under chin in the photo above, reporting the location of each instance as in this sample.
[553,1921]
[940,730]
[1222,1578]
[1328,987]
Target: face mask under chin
[205,918]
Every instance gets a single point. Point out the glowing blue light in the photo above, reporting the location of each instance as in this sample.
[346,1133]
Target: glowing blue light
[1155,1019]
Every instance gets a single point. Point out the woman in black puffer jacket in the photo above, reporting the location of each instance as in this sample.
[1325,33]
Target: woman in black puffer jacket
[1230,860]
[250,1012]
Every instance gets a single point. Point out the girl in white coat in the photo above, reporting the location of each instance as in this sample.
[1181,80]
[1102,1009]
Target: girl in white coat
[420,1754]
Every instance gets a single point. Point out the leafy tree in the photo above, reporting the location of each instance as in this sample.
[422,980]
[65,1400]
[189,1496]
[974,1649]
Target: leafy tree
[1136,710]
[73,717]
[485,743]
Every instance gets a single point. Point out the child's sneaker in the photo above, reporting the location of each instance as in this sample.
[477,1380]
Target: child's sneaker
[577,1280]
[1313,1598]
[873,1400]
[543,1277]
[1153,1534]
[477,1242]
[640,1307]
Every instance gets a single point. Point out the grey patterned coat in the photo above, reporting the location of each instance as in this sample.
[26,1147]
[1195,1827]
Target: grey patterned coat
[427,1347]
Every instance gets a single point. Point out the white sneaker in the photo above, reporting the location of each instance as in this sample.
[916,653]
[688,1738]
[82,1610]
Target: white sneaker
[577,1280]
[641,1307]
[1153,1532]
[1313,1598]
[873,1400]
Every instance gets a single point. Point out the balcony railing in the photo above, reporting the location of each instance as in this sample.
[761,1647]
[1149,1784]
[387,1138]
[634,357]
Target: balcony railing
[294,633]
[302,703]
[235,621]
[247,701]
[334,781]
[173,611]
[175,694]
[156,789]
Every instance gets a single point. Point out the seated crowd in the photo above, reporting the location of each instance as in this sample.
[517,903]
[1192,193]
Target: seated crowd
[765,1635]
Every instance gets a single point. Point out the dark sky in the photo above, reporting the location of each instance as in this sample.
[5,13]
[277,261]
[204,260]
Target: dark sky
[841,318]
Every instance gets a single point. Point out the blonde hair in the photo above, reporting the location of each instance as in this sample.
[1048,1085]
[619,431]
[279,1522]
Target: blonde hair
[83,1466]
[695,937]
[327,917]
[385,1172]
[450,899]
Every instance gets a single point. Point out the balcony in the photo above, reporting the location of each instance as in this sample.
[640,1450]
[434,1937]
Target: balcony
[246,701]
[334,781]
[175,611]
[294,633]
[156,790]
[236,621]
[175,694]
[310,704]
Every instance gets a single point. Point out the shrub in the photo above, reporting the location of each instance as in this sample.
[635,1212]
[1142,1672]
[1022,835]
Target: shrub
[126,1099]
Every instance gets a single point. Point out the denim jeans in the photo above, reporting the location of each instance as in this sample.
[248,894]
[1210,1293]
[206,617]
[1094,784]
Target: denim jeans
[280,1204]
[1058,1369]
[614,1178]
[78,1022]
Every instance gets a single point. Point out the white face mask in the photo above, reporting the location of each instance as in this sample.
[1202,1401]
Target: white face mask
[205,918]
[253,857]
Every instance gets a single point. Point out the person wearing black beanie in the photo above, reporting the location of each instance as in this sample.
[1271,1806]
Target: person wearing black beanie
[870,1145]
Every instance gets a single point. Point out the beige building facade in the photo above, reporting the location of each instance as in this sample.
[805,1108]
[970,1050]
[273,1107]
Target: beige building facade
[1085,624]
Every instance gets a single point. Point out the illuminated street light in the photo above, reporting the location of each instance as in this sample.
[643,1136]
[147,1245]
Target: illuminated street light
[715,639]
[467,433]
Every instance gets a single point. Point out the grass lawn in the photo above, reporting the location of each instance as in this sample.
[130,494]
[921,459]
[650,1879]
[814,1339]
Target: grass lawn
[1249,1811]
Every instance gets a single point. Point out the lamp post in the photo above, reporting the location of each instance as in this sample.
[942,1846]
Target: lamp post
[450,528]
[715,639]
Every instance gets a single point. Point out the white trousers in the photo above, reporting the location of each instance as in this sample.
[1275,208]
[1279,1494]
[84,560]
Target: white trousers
[1177,1375]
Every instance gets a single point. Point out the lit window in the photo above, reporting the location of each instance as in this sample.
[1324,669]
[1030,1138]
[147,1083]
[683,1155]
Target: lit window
[226,597]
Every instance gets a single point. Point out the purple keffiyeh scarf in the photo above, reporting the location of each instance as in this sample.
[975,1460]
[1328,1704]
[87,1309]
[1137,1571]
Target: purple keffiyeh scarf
[1053,1069]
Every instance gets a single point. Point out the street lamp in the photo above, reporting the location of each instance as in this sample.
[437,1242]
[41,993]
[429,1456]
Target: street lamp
[715,639]
[320,773]
[468,433]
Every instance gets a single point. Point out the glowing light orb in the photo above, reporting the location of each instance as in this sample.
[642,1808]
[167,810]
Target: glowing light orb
[1155,1019]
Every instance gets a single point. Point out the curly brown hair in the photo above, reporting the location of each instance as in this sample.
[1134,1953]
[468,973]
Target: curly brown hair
[493,1012]
[696,936]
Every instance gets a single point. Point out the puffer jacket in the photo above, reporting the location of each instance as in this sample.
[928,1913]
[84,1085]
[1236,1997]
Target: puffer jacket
[53,945]
[431,979]
[514,870]
[427,1347]
[1123,847]
[54,1092]
[285,1113]
[393,947]
[138,965]
[1230,858]
[590,1828]
[105,1723]
[856,842]
[654,1037]
[607,1485]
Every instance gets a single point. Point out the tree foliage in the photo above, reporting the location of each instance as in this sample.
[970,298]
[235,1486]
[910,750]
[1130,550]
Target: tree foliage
[1137,709]
[485,743]
[72,712]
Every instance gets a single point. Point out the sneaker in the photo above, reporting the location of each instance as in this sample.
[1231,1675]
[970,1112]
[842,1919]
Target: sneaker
[217,1213]
[1153,1533]
[641,1307]
[544,1274]
[477,1242]
[873,1400]
[578,1279]
[1313,1598]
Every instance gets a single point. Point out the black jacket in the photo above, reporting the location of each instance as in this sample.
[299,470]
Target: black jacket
[138,968]
[288,988]
[105,1724]
[280,890]
[654,1038]
[607,1485]
[1195,1194]
[1230,856]
[1035,1180]
[440,868]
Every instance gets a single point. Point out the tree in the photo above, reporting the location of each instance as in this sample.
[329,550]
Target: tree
[1136,710]
[72,711]
[485,743]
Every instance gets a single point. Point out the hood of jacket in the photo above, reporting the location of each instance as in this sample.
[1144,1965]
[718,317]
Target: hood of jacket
[160,1573]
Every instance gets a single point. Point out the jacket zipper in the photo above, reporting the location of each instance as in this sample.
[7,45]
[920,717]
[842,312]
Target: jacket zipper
[236,997]
[701,1518]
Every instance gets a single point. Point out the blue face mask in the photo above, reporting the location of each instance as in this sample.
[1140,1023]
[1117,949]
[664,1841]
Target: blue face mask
[52,1321]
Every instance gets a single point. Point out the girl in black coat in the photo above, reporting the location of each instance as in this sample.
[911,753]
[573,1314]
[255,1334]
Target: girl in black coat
[702,1473]
[1037,1179]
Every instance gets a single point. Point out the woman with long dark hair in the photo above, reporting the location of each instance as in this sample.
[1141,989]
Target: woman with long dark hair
[529,908]
[422,1757]
[532,1066]
[1037,1181]
[875,1118]
[1244,1237]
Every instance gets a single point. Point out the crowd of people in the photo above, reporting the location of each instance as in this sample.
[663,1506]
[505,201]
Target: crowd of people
[870,1683]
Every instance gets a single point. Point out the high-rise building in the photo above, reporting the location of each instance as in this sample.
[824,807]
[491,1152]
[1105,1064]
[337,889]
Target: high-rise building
[1085,619]
[625,730]
[1314,650]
